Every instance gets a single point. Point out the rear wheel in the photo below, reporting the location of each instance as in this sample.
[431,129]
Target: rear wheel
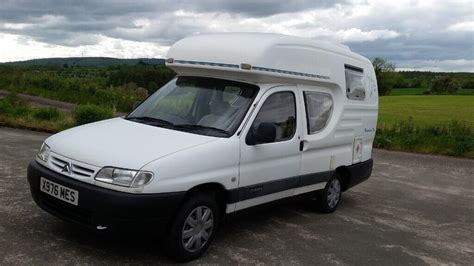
[328,199]
[193,229]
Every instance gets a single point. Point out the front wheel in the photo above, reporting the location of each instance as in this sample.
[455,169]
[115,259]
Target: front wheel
[193,228]
[328,199]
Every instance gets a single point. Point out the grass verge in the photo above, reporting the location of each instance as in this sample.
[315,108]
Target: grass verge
[451,138]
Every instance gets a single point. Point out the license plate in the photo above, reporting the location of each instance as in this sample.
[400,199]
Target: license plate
[60,192]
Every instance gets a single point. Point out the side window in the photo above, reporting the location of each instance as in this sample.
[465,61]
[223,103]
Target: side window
[355,87]
[279,110]
[318,110]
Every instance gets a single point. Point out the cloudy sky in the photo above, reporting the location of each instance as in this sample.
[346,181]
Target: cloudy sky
[433,35]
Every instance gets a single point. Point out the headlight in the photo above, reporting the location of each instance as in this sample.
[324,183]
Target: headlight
[124,177]
[43,153]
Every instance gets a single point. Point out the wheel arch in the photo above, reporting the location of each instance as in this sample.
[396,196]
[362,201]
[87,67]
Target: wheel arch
[345,176]
[219,191]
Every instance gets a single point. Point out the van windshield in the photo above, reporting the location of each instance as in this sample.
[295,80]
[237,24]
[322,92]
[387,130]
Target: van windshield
[206,106]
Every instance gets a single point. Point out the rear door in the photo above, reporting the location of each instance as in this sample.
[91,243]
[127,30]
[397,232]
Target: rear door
[270,171]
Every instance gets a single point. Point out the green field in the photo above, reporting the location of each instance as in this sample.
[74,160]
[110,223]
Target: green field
[421,91]
[407,91]
[426,109]
[435,124]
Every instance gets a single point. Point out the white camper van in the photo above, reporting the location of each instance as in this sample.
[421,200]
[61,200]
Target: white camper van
[249,119]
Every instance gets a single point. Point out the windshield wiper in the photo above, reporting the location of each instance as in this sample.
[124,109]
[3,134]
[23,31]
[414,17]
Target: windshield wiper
[150,120]
[185,127]
[199,127]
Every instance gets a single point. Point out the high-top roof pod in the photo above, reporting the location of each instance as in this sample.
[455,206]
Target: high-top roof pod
[263,57]
[250,118]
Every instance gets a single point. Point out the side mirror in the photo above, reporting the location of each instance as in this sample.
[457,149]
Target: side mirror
[266,133]
[136,104]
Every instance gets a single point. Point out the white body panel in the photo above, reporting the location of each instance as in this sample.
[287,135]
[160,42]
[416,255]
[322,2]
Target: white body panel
[181,161]
[215,162]
[118,142]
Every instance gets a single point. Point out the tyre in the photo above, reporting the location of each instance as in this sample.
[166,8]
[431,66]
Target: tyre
[328,199]
[193,228]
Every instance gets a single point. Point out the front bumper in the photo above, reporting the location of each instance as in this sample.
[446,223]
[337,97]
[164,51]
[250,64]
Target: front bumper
[104,207]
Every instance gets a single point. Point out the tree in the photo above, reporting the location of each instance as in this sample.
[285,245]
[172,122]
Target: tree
[444,84]
[386,75]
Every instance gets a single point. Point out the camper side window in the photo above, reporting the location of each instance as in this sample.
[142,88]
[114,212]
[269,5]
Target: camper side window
[279,110]
[355,86]
[319,107]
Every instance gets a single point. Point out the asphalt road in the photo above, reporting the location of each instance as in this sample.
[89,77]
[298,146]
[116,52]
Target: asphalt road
[415,209]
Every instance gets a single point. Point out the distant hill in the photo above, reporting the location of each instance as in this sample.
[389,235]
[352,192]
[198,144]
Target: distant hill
[87,61]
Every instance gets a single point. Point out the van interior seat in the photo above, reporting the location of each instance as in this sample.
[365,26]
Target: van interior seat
[217,110]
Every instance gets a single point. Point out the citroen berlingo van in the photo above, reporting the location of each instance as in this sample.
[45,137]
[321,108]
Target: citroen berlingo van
[250,118]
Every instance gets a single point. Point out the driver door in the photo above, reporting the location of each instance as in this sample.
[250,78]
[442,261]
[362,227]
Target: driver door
[269,171]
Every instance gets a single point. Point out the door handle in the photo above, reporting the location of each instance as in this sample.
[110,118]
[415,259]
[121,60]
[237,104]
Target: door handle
[303,145]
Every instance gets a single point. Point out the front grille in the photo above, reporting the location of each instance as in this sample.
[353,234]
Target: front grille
[78,170]
[66,210]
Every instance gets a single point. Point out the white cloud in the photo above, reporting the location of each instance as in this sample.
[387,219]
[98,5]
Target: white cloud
[14,26]
[310,24]
[16,47]
[461,65]
[462,26]
[423,33]
[357,35]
